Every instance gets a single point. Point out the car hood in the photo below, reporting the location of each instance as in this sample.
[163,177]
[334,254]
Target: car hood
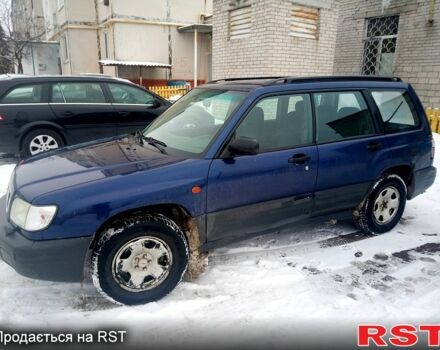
[88,162]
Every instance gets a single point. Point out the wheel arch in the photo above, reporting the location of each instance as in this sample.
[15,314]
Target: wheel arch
[192,228]
[25,130]
[404,171]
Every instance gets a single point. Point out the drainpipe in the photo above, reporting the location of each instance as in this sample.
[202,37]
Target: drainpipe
[431,12]
[98,39]
[195,58]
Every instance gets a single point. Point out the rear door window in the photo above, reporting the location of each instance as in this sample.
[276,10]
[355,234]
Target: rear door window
[396,109]
[24,94]
[77,93]
[341,115]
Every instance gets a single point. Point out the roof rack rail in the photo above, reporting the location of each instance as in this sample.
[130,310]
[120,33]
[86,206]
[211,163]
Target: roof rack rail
[96,75]
[246,78]
[288,80]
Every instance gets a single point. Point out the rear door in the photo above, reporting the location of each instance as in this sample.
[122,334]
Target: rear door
[351,149]
[135,107]
[83,110]
[257,193]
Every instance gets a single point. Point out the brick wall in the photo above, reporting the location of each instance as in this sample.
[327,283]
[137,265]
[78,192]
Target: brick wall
[270,50]
[417,57]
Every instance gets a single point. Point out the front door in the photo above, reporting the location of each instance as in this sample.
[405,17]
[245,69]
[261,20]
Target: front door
[135,107]
[270,190]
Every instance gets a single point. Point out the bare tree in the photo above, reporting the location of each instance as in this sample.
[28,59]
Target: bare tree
[21,29]
[6,62]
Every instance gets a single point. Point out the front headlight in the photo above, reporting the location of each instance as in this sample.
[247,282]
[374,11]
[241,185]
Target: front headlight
[30,217]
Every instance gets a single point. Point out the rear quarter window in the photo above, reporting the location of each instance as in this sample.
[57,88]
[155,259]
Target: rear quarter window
[396,109]
[24,94]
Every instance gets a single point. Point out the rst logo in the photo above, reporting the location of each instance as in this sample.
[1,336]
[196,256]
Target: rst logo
[404,335]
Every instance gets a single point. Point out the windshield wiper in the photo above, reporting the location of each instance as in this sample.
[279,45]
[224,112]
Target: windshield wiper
[151,141]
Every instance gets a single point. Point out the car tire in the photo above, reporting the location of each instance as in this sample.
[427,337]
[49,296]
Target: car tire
[140,259]
[41,140]
[382,209]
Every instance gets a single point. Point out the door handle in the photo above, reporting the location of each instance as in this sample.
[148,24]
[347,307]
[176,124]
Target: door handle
[374,146]
[68,113]
[299,158]
[124,114]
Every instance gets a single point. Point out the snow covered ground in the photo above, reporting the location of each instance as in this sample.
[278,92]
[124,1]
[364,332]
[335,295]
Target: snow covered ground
[269,289]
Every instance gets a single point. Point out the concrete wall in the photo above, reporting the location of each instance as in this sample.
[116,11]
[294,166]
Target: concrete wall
[83,50]
[270,50]
[418,44]
[138,30]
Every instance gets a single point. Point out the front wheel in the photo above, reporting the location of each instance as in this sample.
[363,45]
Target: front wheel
[381,211]
[140,260]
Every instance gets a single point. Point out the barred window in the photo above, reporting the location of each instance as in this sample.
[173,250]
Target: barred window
[304,22]
[240,23]
[380,45]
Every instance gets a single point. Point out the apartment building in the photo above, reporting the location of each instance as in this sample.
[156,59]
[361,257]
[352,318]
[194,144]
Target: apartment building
[146,41]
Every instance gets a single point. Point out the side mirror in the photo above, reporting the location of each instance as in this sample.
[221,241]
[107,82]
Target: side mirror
[156,104]
[244,146]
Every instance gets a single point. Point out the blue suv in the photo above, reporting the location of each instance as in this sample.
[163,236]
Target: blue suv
[230,159]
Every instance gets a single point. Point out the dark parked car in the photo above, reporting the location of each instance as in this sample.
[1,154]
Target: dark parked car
[230,159]
[38,114]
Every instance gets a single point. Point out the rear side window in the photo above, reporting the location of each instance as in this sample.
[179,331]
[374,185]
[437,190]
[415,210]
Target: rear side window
[24,94]
[341,115]
[77,93]
[396,109]
[130,95]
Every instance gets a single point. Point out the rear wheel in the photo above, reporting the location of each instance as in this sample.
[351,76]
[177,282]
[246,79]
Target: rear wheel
[41,140]
[381,211]
[140,260]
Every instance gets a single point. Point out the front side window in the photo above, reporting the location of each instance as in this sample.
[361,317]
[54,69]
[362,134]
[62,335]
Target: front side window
[189,125]
[24,94]
[77,93]
[279,122]
[341,115]
[130,95]
[396,109]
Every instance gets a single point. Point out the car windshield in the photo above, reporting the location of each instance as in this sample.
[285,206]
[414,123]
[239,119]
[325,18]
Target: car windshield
[189,125]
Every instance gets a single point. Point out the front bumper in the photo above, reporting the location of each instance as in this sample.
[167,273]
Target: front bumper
[52,260]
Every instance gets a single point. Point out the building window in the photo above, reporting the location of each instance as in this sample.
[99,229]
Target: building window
[60,4]
[304,22]
[106,55]
[54,19]
[380,45]
[65,47]
[240,23]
